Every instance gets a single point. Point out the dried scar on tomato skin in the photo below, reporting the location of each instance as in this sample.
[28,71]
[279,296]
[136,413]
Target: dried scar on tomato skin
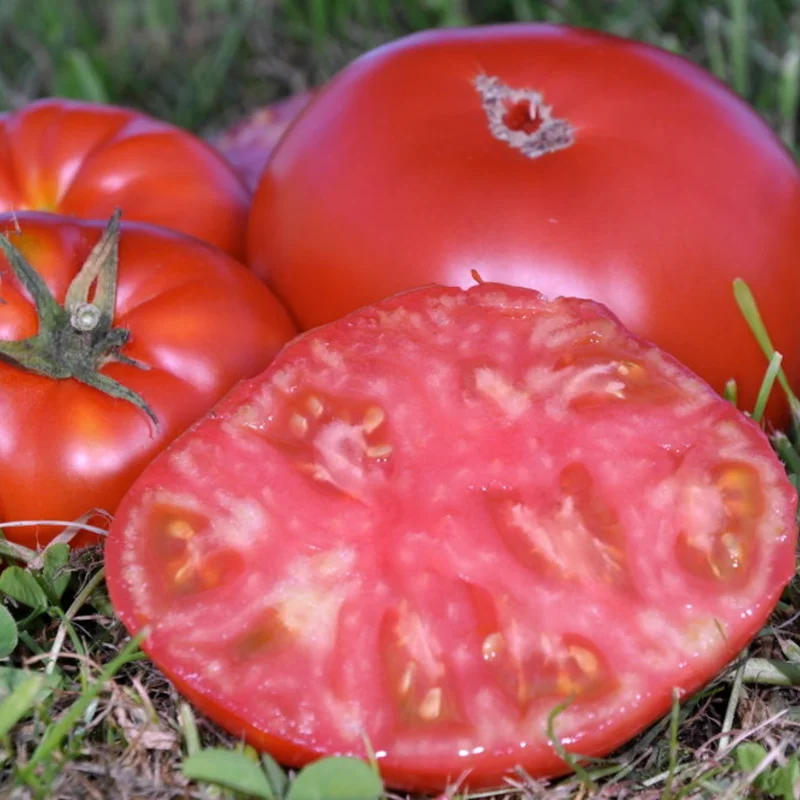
[433,522]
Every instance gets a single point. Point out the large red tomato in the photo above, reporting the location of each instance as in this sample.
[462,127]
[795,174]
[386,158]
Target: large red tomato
[85,160]
[565,160]
[430,525]
[115,371]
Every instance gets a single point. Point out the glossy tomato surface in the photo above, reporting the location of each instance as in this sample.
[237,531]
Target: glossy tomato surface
[569,161]
[199,321]
[429,524]
[85,159]
[249,143]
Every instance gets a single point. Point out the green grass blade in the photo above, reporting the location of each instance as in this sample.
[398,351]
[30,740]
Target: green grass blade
[20,702]
[189,728]
[740,49]
[789,92]
[715,51]
[84,79]
[766,386]
[58,732]
[786,451]
[749,308]
[770,672]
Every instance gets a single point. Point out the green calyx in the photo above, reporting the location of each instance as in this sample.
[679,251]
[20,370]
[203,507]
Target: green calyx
[77,339]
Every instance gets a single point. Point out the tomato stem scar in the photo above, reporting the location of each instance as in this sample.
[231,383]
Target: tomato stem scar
[77,339]
[85,317]
[520,118]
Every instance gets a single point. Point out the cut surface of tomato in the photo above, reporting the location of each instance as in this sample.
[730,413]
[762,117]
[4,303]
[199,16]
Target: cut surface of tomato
[432,523]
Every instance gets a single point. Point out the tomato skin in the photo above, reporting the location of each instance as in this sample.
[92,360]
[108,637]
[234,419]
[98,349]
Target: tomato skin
[200,320]
[671,189]
[84,159]
[356,478]
[248,144]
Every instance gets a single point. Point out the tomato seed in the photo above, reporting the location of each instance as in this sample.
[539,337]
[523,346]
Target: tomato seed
[431,707]
[298,424]
[379,451]
[315,406]
[180,529]
[373,418]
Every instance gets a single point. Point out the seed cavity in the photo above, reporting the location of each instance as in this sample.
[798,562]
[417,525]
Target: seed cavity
[740,487]
[586,660]
[720,523]
[266,634]
[579,671]
[577,538]
[415,673]
[197,572]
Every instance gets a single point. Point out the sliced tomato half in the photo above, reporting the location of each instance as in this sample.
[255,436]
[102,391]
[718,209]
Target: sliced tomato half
[433,523]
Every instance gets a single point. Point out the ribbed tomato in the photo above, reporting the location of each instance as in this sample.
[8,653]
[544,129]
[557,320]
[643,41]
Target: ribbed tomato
[249,143]
[568,161]
[120,353]
[84,160]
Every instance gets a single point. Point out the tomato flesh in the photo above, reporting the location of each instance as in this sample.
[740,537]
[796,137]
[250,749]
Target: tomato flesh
[439,542]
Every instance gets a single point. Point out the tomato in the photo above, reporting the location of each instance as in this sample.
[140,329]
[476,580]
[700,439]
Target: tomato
[85,160]
[182,325]
[429,524]
[248,144]
[568,161]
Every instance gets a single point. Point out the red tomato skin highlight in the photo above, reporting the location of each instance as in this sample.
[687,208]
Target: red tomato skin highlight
[367,344]
[85,159]
[199,319]
[671,189]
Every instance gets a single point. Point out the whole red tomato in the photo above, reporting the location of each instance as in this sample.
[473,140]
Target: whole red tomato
[248,144]
[569,161]
[85,160]
[119,358]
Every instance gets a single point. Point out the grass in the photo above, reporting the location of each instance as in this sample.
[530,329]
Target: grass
[202,63]
[82,712]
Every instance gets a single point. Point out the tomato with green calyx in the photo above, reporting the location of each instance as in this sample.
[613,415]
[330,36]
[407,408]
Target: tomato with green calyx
[432,524]
[112,343]
[84,159]
[569,161]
